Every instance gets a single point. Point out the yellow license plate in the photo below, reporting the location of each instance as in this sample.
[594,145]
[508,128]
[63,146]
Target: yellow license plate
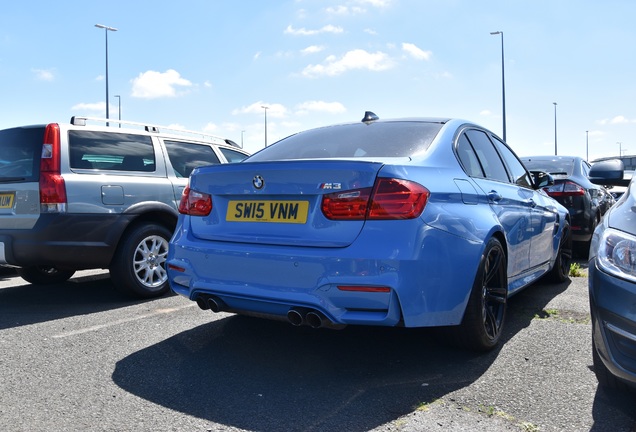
[267,211]
[6,200]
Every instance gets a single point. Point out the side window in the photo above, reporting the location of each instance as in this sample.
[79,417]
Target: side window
[491,163]
[232,155]
[186,156]
[519,174]
[111,151]
[585,168]
[468,158]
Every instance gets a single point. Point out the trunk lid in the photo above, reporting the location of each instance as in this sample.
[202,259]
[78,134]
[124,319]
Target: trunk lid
[279,202]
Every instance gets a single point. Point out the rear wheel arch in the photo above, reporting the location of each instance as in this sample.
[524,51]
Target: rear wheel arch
[138,264]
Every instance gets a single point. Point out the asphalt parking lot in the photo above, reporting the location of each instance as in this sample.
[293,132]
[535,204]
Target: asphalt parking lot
[79,356]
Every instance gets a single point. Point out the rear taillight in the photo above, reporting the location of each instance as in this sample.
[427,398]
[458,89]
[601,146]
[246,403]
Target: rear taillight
[52,187]
[567,188]
[388,199]
[195,203]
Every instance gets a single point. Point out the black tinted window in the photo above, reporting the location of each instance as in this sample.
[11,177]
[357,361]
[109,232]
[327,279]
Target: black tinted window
[391,139]
[488,157]
[111,151]
[232,156]
[468,158]
[518,172]
[20,151]
[186,156]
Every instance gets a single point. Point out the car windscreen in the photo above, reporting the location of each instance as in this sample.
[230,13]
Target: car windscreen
[20,151]
[563,167]
[359,140]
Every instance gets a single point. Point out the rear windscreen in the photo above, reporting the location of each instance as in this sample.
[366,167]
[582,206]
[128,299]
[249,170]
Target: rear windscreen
[20,151]
[359,140]
[564,167]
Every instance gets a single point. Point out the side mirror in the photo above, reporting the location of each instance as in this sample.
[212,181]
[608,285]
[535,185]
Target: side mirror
[542,179]
[609,173]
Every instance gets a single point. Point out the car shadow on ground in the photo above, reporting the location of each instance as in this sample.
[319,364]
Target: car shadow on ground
[27,303]
[257,374]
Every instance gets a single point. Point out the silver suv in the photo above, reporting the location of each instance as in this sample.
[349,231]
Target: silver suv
[75,197]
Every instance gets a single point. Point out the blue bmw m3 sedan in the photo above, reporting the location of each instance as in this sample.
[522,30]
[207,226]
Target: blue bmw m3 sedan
[415,222]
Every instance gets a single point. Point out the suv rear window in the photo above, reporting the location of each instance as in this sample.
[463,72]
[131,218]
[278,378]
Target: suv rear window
[111,151]
[185,156]
[20,151]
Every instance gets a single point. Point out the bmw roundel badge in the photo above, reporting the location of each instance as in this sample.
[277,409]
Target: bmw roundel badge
[258,182]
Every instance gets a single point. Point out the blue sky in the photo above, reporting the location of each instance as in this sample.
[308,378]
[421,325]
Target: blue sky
[212,65]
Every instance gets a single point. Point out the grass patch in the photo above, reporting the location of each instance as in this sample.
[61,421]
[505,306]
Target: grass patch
[575,270]
[569,317]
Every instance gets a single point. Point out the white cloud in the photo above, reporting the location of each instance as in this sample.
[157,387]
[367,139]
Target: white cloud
[273,110]
[344,10]
[415,52]
[356,59]
[98,108]
[304,32]
[312,49]
[376,3]
[153,85]
[43,74]
[320,106]
[619,119]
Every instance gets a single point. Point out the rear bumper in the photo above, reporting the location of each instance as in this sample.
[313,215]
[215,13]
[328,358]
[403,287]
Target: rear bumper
[614,322]
[421,287]
[64,241]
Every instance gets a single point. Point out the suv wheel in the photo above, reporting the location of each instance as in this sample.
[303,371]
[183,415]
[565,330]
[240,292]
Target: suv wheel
[44,275]
[139,265]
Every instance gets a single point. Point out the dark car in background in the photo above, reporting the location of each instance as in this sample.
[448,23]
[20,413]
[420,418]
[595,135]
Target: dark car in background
[612,284]
[587,202]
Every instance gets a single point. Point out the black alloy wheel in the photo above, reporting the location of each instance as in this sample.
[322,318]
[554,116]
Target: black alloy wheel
[561,270]
[485,313]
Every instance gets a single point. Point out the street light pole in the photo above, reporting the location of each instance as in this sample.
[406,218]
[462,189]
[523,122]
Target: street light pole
[587,146]
[119,106]
[503,83]
[265,108]
[555,129]
[106,30]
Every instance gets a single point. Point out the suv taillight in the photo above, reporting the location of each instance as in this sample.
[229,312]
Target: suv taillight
[388,199]
[567,188]
[52,187]
[195,203]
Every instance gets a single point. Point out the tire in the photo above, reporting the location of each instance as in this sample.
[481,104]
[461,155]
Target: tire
[483,321]
[561,270]
[139,266]
[44,275]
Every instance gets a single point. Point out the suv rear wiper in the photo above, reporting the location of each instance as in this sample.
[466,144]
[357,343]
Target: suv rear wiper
[11,179]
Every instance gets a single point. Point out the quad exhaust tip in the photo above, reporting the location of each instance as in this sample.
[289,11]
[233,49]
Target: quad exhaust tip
[302,316]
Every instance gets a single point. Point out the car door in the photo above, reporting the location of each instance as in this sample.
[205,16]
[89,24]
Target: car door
[508,201]
[542,215]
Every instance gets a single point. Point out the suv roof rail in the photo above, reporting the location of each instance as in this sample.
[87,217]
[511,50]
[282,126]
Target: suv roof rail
[81,121]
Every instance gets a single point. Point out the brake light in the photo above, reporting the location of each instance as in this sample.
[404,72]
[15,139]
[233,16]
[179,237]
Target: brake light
[195,203]
[388,199]
[567,188]
[52,186]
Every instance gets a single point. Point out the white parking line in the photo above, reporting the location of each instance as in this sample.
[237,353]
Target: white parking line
[121,321]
